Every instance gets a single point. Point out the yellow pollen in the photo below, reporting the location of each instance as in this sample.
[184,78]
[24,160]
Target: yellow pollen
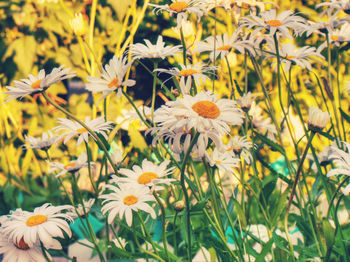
[229,149]
[218,162]
[290,56]
[178,6]
[36,84]
[188,72]
[22,245]
[225,48]
[81,130]
[71,164]
[206,109]
[274,23]
[146,178]
[114,83]
[36,220]
[130,200]
[335,37]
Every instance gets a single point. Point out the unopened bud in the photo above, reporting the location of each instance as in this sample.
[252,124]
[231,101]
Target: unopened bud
[78,24]
[327,88]
[179,205]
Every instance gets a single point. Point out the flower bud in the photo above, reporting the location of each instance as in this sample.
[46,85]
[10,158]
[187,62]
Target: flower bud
[179,205]
[317,119]
[78,24]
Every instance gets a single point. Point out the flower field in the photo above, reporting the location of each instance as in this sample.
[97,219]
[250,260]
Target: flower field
[174,130]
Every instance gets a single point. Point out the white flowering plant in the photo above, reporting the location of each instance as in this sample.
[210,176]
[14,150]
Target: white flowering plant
[237,151]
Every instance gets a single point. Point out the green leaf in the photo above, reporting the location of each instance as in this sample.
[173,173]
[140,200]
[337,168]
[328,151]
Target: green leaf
[270,143]
[328,231]
[264,251]
[240,213]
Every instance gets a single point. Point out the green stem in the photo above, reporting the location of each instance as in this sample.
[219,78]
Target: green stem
[142,249]
[89,167]
[154,90]
[184,49]
[163,225]
[148,235]
[231,80]
[299,171]
[187,200]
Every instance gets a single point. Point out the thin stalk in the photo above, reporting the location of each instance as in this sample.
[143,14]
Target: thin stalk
[154,90]
[231,80]
[92,133]
[148,235]
[91,32]
[163,225]
[299,171]
[187,200]
[144,250]
[89,167]
[330,82]
[184,49]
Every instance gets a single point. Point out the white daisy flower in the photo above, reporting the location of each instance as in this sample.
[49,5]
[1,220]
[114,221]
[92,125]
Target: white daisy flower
[72,167]
[189,72]
[223,160]
[272,22]
[317,119]
[124,200]
[159,50]
[290,54]
[342,160]
[335,5]
[246,101]
[37,84]
[19,251]
[180,8]
[204,112]
[337,36]
[261,123]
[130,116]
[241,146]
[98,125]
[120,242]
[44,142]
[223,45]
[45,223]
[149,174]
[79,210]
[112,78]
[179,141]
[325,25]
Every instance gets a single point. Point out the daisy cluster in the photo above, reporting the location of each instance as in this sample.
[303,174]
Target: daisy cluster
[195,121]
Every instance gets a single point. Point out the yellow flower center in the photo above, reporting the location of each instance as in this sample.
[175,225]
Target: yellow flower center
[335,37]
[147,177]
[274,23]
[36,220]
[225,48]
[71,164]
[130,200]
[114,83]
[36,84]
[290,56]
[188,72]
[21,245]
[178,6]
[206,109]
[81,130]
